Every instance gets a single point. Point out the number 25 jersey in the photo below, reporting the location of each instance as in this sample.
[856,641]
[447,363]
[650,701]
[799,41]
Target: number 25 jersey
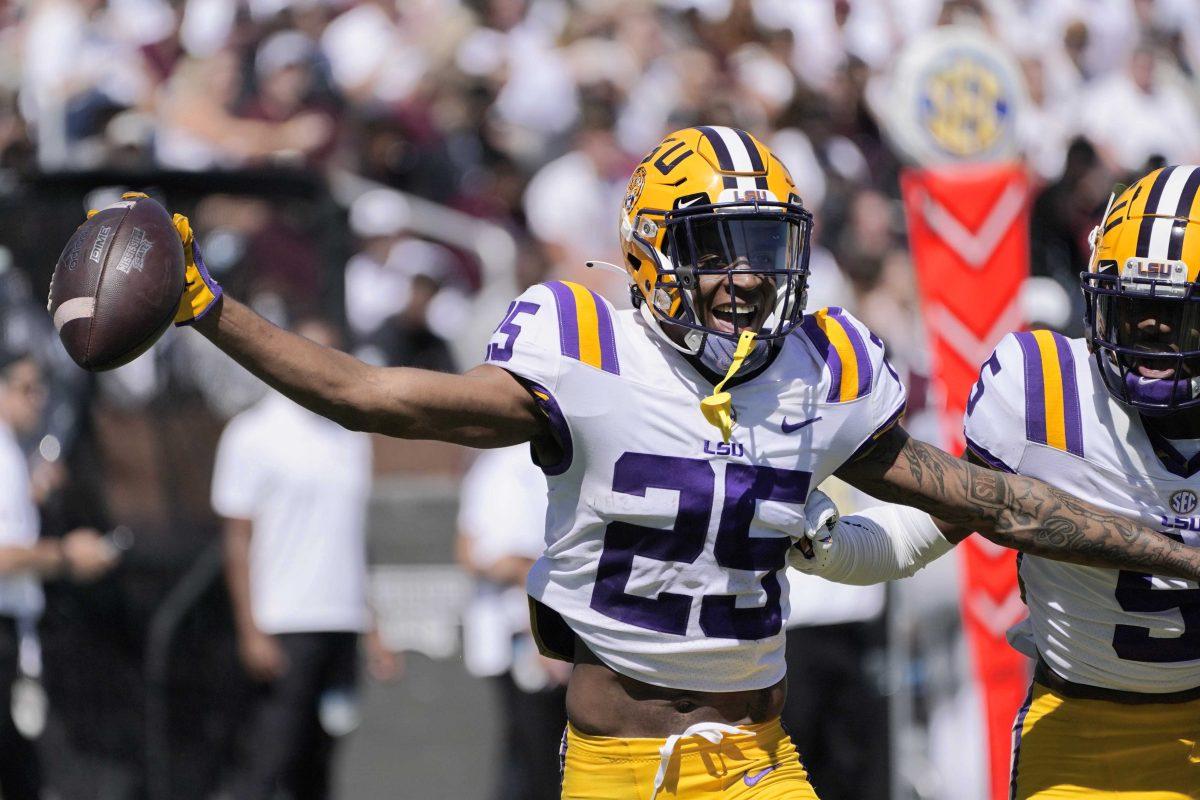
[665,546]
[1040,408]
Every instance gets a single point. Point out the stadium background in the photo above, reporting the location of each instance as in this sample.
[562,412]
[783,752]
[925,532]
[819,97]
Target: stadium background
[405,168]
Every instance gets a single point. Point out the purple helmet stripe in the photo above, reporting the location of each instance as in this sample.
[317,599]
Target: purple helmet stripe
[1035,390]
[861,355]
[1184,207]
[828,354]
[1072,418]
[568,318]
[608,338]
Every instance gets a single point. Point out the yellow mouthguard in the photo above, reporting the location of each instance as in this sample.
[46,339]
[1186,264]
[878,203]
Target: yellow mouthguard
[718,407]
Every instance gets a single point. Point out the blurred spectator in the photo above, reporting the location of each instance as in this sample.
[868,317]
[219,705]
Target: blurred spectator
[1141,112]
[24,558]
[396,287]
[501,532]
[376,284]
[1062,217]
[1047,123]
[571,204]
[408,338]
[292,488]
[285,79]
[198,130]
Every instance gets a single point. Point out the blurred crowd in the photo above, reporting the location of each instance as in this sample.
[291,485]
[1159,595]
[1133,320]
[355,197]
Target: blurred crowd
[531,113]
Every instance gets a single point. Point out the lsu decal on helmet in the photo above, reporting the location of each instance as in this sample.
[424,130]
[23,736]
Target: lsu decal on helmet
[710,205]
[1143,309]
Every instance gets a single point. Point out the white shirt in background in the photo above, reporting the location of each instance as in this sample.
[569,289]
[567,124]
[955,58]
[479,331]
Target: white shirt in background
[304,483]
[21,594]
[502,511]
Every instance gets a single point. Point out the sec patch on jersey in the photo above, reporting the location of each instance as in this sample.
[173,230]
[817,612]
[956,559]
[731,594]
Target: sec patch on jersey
[117,283]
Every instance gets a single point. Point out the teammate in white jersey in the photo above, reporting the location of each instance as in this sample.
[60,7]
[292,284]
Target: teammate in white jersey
[1114,709]
[672,503]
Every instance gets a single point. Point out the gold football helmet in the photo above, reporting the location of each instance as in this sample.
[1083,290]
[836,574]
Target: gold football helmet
[714,203]
[1143,307]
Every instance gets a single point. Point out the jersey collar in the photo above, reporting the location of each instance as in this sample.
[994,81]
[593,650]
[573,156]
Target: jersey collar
[1174,461]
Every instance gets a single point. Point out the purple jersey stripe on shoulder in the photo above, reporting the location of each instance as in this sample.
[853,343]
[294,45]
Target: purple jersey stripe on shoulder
[1035,389]
[892,420]
[608,337]
[1072,416]
[986,457]
[828,354]
[861,355]
[568,318]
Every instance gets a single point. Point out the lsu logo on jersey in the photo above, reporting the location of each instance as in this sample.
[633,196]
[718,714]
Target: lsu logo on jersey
[724,449]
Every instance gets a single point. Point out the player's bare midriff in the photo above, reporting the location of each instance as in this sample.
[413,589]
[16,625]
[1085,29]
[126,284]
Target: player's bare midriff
[602,702]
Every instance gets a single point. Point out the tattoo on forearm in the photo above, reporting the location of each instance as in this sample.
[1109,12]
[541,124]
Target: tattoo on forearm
[1014,510]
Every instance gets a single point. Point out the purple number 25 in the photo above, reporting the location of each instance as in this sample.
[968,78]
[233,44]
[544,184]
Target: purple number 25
[695,481]
[508,327]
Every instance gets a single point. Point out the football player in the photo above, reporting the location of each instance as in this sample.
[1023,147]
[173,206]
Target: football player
[1114,708]
[680,440]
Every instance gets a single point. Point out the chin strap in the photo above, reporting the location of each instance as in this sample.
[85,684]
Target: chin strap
[718,407]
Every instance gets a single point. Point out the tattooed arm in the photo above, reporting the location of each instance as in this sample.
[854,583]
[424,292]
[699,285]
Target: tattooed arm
[1012,510]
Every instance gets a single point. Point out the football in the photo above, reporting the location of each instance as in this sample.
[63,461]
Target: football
[117,283]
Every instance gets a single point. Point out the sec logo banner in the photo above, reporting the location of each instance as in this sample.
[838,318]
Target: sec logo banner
[955,97]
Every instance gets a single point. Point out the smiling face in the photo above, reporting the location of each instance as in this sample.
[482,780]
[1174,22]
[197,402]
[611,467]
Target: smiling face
[737,302]
[734,266]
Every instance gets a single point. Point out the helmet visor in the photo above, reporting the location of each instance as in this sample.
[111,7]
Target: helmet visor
[1147,337]
[741,270]
[1155,338]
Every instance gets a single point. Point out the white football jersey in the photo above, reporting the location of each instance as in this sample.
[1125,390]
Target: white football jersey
[665,546]
[1040,408]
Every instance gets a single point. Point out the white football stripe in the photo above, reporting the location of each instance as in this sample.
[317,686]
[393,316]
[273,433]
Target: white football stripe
[75,308]
[1160,232]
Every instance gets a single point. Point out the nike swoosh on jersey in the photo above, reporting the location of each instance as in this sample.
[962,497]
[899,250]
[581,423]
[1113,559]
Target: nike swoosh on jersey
[792,427]
[752,780]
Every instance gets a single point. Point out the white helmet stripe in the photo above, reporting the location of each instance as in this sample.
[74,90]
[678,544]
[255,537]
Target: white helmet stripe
[740,155]
[1168,202]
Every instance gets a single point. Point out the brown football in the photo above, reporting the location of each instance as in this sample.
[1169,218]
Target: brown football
[117,283]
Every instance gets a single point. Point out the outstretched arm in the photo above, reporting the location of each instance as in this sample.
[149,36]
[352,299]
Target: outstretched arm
[486,407]
[1012,510]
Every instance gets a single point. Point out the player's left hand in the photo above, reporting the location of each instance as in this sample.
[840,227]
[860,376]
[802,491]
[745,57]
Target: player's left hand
[811,551]
[202,291]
